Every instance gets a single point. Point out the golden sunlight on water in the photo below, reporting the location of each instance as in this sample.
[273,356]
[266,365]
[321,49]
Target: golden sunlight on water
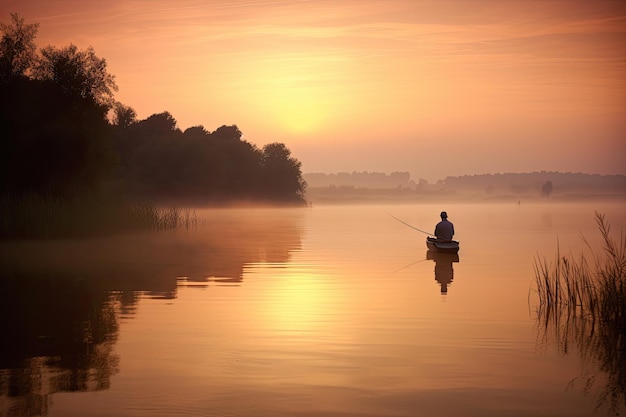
[336,310]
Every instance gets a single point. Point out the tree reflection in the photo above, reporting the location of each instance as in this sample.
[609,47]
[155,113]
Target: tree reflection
[60,317]
[59,334]
[237,240]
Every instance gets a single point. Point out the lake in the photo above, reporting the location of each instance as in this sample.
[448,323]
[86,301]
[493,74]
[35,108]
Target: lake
[324,311]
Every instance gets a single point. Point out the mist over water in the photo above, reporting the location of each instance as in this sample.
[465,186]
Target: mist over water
[330,310]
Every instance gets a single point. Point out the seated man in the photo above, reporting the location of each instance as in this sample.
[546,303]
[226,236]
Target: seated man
[444,231]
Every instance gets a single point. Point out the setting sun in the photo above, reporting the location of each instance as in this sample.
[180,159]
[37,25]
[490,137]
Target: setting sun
[293,93]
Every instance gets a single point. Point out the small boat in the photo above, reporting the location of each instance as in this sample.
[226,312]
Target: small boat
[442,247]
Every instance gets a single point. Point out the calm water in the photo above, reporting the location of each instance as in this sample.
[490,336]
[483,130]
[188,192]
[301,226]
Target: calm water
[327,311]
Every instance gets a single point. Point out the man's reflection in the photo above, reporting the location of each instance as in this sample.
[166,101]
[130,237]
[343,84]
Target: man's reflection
[444,272]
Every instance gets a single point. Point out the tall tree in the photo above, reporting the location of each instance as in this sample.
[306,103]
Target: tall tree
[17,47]
[77,72]
[56,138]
[282,173]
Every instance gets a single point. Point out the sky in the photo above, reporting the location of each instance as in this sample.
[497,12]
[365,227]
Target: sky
[434,87]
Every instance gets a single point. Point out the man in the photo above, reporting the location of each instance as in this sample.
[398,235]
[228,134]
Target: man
[444,231]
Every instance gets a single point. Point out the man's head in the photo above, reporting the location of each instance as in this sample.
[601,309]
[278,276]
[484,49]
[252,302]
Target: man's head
[444,215]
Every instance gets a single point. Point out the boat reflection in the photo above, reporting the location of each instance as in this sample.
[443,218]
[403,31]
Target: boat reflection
[444,271]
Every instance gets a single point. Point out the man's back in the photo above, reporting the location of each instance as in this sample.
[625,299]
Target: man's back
[444,231]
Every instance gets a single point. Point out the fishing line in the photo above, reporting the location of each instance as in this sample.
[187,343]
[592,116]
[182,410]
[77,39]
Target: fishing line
[412,227]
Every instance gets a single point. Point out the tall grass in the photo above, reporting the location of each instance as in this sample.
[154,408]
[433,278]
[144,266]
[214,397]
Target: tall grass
[89,214]
[584,301]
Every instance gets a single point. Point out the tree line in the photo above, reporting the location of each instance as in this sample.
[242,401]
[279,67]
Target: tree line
[376,186]
[64,133]
[545,182]
[359,179]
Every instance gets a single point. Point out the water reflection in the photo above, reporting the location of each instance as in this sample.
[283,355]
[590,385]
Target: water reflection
[584,307]
[60,317]
[58,335]
[444,271]
[602,350]
[236,240]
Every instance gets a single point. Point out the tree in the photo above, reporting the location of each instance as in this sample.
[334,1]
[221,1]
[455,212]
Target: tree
[17,47]
[158,125]
[282,173]
[236,162]
[547,189]
[195,133]
[151,154]
[52,142]
[123,116]
[79,73]
[56,138]
[231,133]
[158,160]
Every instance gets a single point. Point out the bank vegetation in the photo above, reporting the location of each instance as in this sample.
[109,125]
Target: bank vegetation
[66,139]
[583,301]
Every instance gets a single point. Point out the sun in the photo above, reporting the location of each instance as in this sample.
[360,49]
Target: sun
[296,93]
[298,110]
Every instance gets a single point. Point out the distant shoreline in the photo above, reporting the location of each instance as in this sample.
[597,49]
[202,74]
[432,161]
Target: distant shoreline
[341,195]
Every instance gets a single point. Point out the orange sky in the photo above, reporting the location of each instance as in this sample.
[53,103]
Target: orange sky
[435,88]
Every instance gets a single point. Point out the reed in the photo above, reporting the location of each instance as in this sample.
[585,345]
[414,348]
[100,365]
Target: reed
[89,214]
[583,301]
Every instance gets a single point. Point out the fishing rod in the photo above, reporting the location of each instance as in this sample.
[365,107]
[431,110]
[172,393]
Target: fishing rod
[406,224]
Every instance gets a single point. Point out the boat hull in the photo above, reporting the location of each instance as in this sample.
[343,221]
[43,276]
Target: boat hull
[442,247]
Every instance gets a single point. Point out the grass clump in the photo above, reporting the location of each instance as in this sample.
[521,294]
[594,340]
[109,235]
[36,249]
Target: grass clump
[38,216]
[584,301]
